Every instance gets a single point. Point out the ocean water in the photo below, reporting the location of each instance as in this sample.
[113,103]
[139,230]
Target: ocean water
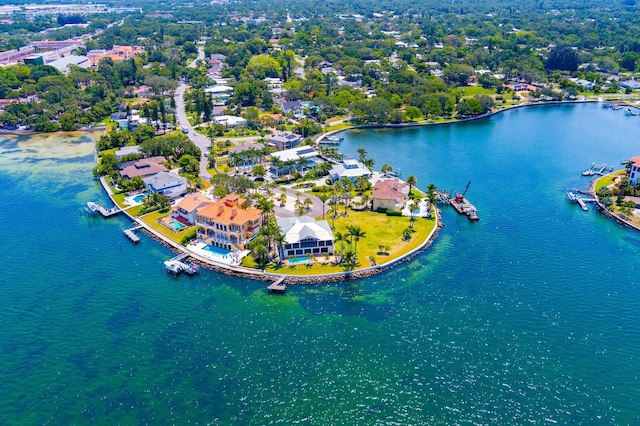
[528,316]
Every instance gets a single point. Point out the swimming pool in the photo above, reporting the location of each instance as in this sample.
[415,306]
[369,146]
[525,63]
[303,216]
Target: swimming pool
[298,260]
[176,225]
[216,250]
[138,198]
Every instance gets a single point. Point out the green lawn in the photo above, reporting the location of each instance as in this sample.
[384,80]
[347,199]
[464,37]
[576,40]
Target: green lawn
[151,220]
[607,180]
[476,90]
[336,118]
[379,228]
[339,126]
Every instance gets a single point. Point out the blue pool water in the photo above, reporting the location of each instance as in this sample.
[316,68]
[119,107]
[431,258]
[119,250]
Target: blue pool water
[216,250]
[298,260]
[139,198]
[176,225]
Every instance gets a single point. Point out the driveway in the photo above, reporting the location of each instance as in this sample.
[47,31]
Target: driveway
[289,210]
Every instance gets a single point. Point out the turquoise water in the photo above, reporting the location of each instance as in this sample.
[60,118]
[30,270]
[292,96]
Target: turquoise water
[216,250]
[176,225]
[139,198]
[528,316]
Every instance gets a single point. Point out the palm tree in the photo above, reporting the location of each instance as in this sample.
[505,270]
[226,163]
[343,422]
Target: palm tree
[369,163]
[386,169]
[350,260]
[266,206]
[307,203]
[363,154]
[355,233]
[333,211]
[277,164]
[339,237]
[323,197]
[411,181]
[413,206]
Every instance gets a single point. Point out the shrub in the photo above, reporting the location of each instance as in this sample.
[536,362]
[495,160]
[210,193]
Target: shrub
[322,188]
[188,237]
[381,210]
[394,213]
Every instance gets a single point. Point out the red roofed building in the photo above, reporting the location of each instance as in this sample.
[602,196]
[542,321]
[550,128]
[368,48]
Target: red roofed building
[226,224]
[185,210]
[143,167]
[390,194]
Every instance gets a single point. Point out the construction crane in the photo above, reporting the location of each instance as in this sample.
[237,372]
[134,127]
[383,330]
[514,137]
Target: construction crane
[460,197]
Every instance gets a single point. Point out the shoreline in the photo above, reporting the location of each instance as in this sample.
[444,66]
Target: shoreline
[462,120]
[261,275]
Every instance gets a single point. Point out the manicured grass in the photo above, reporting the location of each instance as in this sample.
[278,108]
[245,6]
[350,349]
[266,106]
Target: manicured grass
[119,199]
[151,218]
[476,90]
[338,126]
[336,118]
[379,228]
[607,180]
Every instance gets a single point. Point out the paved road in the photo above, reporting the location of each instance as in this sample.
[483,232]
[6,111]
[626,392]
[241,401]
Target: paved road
[289,209]
[201,141]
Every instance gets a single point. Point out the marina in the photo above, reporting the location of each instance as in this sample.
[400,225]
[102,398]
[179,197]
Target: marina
[596,169]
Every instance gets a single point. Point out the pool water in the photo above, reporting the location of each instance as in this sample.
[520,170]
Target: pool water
[216,250]
[298,260]
[139,198]
[176,225]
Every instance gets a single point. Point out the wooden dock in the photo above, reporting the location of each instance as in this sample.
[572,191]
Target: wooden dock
[278,286]
[131,234]
[97,208]
[465,208]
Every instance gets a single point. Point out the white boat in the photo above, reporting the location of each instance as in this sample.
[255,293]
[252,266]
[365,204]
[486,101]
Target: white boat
[93,206]
[190,268]
[173,266]
[334,138]
[572,197]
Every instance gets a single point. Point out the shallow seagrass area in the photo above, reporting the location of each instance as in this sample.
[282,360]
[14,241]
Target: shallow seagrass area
[528,316]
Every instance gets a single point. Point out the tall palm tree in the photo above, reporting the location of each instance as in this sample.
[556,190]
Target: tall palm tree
[339,237]
[355,233]
[362,153]
[323,197]
[277,164]
[411,181]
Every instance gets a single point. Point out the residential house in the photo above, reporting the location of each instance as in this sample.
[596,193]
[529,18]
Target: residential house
[143,167]
[349,168]
[304,235]
[227,225]
[390,194]
[230,121]
[286,140]
[166,183]
[301,158]
[127,150]
[633,172]
[185,210]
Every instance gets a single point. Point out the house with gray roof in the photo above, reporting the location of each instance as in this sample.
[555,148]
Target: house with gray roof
[349,168]
[286,140]
[304,235]
[166,183]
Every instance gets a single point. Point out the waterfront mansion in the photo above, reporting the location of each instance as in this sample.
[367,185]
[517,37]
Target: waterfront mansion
[227,224]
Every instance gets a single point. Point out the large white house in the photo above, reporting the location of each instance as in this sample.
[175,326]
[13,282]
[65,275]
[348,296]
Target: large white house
[304,235]
[349,168]
[633,173]
[166,183]
[280,159]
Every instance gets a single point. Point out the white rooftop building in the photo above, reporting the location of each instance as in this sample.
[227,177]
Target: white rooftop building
[304,235]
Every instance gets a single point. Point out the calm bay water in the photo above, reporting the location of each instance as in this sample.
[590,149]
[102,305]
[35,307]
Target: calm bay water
[529,316]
